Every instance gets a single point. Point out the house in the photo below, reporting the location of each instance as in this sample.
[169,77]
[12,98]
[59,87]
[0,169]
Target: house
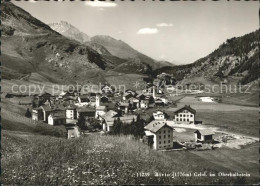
[87,112]
[159,103]
[204,135]
[158,115]
[135,103]
[45,96]
[159,134]
[150,90]
[83,100]
[144,104]
[123,107]
[37,114]
[100,111]
[71,112]
[185,115]
[127,96]
[140,97]
[56,119]
[106,89]
[46,112]
[73,131]
[110,116]
[108,120]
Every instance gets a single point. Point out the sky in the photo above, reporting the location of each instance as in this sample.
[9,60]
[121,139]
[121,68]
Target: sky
[178,32]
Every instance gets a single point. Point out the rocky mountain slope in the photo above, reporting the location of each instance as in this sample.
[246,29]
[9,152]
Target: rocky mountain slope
[32,46]
[112,48]
[236,59]
[70,31]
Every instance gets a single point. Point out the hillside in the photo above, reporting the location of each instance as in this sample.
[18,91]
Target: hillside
[236,58]
[98,160]
[31,46]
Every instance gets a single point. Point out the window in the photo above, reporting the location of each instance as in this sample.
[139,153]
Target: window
[159,142]
[188,120]
[169,131]
[180,115]
[184,115]
[180,119]
[191,115]
[177,119]
[164,136]
[169,141]
[164,131]
[159,132]
[169,136]
[184,119]
[164,142]
[159,137]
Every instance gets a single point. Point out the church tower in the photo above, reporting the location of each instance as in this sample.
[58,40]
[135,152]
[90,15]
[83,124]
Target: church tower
[97,100]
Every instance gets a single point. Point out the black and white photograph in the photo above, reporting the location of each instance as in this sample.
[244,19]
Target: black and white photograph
[143,92]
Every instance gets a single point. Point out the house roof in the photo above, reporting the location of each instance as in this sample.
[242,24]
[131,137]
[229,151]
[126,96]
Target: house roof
[205,132]
[57,116]
[124,104]
[109,115]
[84,96]
[86,109]
[154,126]
[59,107]
[101,108]
[185,107]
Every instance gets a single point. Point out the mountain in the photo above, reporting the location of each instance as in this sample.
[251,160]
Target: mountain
[115,51]
[30,46]
[122,50]
[235,60]
[70,31]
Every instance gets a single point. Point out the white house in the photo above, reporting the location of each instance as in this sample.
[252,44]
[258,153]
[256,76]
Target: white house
[185,115]
[106,89]
[37,114]
[158,115]
[83,100]
[100,111]
[56,119]
[108,120]
[71,112]
[73,132]
[144,104]
[204,135]
[159,134]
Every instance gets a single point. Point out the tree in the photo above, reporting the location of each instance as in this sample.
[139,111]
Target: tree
[117,126]
[139,127]
[28,113]
[82,122]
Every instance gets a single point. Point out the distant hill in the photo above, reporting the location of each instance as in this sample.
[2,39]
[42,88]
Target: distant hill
[123,50]
[236,58]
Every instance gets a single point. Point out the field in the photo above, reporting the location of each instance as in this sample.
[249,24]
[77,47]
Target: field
[38,160]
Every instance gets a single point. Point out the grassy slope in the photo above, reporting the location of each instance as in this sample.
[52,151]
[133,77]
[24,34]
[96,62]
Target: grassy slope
[97,160]
[243,122]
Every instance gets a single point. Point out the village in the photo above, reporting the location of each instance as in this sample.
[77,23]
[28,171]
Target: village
[136,112]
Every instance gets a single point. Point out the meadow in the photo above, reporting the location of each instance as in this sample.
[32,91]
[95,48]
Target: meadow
[29,159]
